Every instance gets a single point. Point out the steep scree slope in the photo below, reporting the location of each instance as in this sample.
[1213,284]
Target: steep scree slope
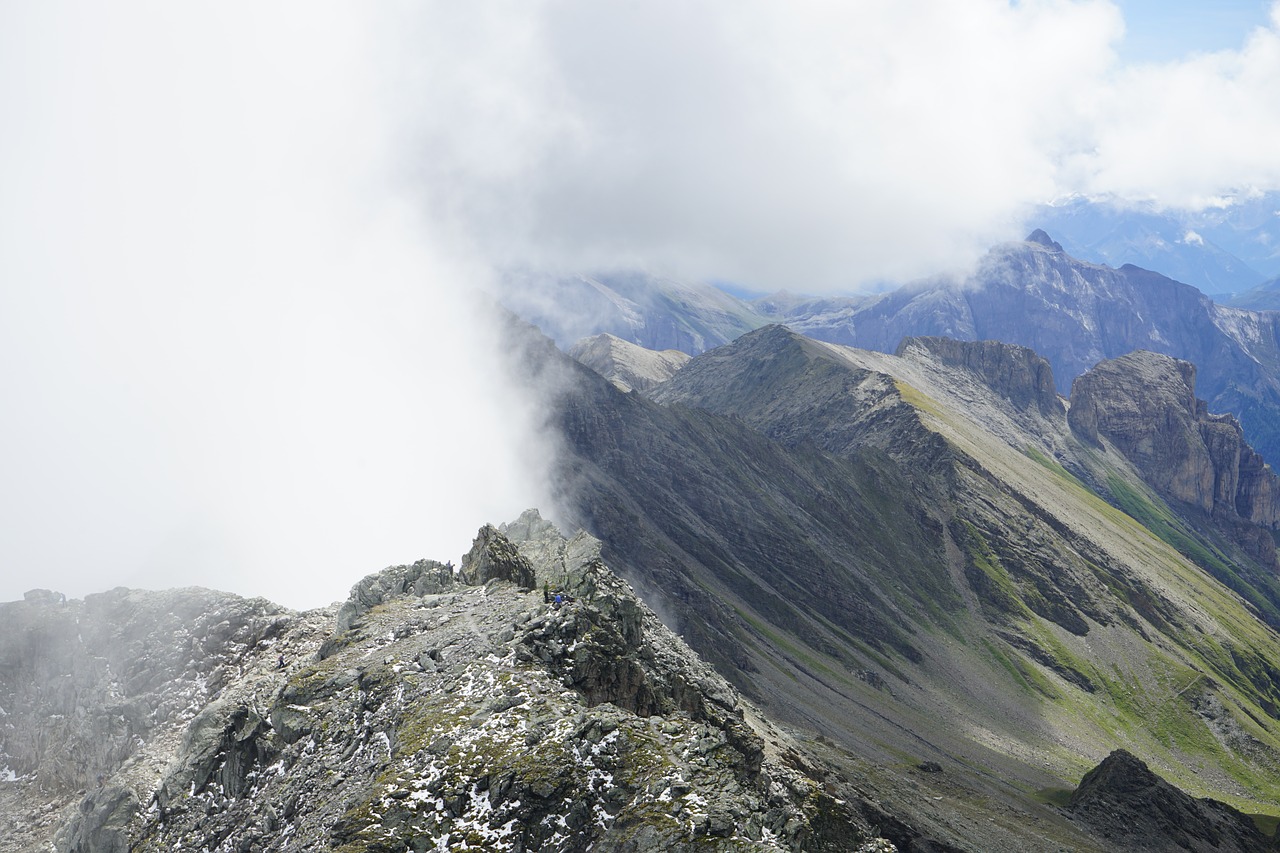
[897,552]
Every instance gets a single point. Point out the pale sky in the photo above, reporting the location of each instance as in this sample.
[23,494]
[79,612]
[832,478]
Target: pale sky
[238,241]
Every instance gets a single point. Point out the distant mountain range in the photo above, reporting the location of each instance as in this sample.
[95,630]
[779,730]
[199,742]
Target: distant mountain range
[1227,251]
[1073,313]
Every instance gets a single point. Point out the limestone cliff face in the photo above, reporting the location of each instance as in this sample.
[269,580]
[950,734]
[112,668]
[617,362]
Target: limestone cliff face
[1145,405]
[1014,372]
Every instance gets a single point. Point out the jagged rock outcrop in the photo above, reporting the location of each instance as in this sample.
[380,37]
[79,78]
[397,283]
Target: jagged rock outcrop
[1144,404]
[628,366]
[1014,372]
[422,578]
[84,681]
[493,557]
[1124,801]
[95,696]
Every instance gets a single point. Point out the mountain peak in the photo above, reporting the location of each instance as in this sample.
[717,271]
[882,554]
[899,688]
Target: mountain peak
[1039,236]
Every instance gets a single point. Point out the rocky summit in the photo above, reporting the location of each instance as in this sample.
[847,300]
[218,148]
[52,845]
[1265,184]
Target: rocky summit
[527,702]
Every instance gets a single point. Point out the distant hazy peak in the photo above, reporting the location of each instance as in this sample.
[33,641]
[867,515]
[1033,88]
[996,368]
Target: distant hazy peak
[1039,236]
[627,365]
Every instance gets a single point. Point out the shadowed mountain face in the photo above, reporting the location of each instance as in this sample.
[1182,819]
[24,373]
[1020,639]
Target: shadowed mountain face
[1123,800]
[917,556]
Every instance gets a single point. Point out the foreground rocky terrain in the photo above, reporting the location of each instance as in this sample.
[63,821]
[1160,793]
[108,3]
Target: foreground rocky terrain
[528,702]
[431,711]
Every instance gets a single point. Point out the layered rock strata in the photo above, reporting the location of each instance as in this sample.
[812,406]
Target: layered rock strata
[1144,404]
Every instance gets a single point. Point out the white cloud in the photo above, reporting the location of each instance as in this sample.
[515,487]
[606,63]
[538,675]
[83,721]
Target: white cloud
[232,353]
[1183,133]
[810,145]
[232,237]
[819,145]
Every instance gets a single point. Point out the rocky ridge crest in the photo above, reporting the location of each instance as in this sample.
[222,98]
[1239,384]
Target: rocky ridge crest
[440,714]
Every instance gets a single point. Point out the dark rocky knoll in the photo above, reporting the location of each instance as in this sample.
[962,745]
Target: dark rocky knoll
[1122,800]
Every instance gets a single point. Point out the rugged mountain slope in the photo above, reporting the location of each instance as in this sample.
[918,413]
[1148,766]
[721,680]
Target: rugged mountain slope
[432,711]
[912,555]
[1075,314]
[1033,293]
[1263,297]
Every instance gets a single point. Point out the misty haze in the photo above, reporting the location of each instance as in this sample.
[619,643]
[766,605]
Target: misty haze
[606,426]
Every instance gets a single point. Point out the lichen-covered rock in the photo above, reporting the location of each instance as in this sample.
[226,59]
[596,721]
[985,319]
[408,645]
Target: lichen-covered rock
[102,824]
[96,695]
[424,576]
[446,715]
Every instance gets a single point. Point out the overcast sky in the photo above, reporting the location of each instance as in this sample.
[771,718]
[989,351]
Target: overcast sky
[237,240]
